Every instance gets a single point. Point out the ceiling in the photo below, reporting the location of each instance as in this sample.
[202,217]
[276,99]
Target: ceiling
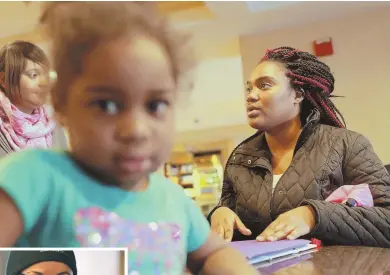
[240,18]
[210,19]
[170,7]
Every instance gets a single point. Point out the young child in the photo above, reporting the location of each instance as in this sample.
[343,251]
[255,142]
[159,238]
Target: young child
[118,65]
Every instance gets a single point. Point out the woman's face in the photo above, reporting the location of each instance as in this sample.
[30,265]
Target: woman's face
[34,88]
[271,101]
[48,268]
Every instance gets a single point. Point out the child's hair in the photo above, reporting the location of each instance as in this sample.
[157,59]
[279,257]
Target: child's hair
[13,57]
[75,28]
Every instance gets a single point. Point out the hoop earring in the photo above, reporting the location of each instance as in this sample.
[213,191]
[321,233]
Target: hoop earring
[302,95]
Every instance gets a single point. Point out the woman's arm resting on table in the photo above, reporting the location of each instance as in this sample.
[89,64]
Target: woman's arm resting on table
[216,257]
[11,221]
[344,225]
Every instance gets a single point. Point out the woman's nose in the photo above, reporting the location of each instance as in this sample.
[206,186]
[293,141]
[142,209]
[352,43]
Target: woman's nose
[253,96]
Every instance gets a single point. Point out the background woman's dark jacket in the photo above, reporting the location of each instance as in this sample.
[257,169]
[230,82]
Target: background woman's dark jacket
[325,158]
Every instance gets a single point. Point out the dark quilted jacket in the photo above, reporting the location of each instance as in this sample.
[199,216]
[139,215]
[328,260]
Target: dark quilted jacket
[325,158]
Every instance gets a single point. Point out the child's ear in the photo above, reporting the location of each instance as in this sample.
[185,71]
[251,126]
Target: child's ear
[299,96]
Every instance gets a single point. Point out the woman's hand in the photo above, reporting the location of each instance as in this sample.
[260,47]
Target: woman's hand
[290,225]
[224,220]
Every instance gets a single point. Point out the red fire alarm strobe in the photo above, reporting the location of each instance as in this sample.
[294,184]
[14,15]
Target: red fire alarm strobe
[323,47]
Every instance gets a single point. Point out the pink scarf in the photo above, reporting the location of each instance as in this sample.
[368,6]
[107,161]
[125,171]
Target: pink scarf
[25,130]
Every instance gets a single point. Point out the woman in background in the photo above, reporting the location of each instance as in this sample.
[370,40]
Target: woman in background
[276,181]
[24,87]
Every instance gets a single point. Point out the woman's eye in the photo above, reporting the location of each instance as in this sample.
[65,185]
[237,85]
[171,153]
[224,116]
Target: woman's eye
[107,106]
[158,107]
[265,86]
[33,75]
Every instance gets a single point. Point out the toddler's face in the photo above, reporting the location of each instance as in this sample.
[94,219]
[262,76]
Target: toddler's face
[120,110]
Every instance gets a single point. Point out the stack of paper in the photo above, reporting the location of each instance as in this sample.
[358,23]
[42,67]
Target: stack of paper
[265,252]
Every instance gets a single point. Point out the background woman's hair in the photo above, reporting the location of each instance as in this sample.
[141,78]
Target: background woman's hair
[314,79]
[13,59]
[75,28]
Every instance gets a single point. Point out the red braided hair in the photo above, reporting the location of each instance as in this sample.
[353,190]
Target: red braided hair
[314,78]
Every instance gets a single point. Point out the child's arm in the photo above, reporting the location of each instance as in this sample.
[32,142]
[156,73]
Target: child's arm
[26,187]
[207,252]
[11,221]
[217,257]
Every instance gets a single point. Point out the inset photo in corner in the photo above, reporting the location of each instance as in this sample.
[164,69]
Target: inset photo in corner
[58,261]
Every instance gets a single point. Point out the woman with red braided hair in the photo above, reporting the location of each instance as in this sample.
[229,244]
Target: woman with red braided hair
[277,181]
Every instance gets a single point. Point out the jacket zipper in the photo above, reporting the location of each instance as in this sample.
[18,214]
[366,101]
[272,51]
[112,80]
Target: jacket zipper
[273,193]
[296,150]
[271,203]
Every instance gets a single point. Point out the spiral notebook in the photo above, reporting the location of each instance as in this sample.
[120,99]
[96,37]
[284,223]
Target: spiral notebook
[258,252]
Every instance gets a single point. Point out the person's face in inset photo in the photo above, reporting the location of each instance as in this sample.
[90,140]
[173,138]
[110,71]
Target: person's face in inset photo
[48,268]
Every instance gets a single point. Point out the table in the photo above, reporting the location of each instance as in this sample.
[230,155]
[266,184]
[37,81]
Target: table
[336,260]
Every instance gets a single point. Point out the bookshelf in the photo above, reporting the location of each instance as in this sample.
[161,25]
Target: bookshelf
[180,170]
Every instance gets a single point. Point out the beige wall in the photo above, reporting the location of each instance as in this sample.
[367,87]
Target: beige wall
[361,65]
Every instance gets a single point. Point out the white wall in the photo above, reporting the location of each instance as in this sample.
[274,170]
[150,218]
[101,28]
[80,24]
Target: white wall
[361,66]
[44,47]
[98,262]
[217,97]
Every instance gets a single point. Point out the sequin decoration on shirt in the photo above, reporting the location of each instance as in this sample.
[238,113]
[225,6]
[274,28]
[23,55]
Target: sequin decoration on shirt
[152,246]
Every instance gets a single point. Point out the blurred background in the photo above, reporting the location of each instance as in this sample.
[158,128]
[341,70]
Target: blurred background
[89,262]
[229,38]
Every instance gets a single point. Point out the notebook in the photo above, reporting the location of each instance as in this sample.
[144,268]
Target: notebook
[258,252]
[269,268]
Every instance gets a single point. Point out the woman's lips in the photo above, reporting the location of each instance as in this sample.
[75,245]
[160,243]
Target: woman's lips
[253,112]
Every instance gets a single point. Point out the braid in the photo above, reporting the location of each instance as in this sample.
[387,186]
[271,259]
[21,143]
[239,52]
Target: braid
[314,78]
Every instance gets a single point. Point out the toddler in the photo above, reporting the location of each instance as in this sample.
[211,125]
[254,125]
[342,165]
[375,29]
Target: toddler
[118,67]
